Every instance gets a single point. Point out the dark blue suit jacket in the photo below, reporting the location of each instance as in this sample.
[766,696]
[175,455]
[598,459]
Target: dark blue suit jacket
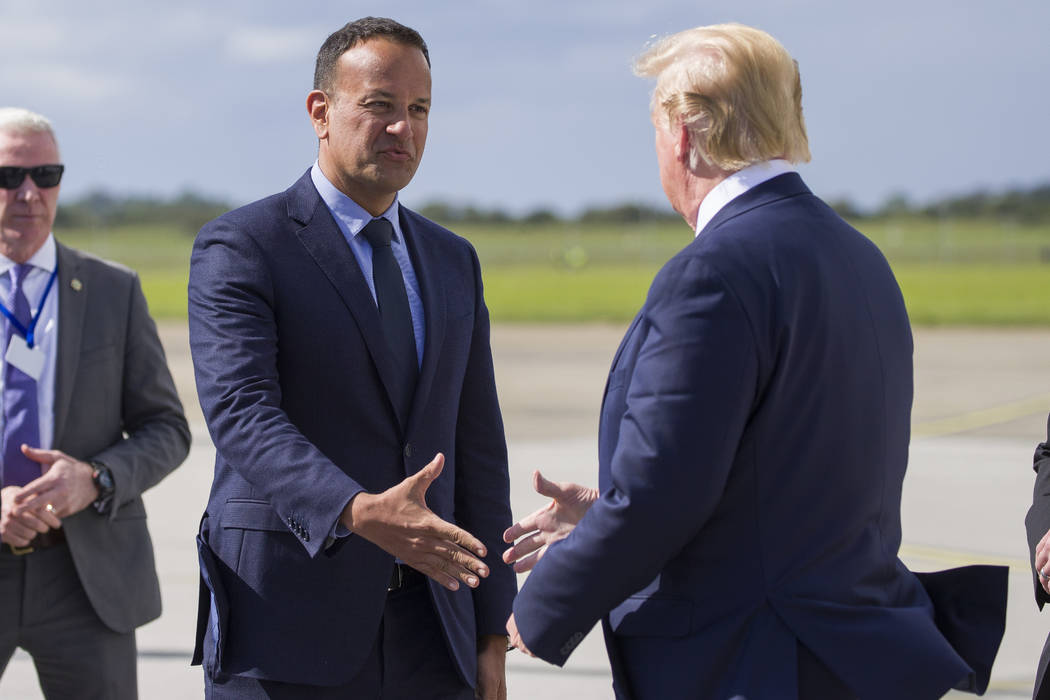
[293,375]
[753,442]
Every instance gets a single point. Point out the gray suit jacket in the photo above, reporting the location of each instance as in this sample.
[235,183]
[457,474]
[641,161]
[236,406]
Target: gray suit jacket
[115,402]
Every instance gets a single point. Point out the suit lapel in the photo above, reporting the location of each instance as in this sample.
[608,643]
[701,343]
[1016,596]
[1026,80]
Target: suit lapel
[421,249]
[72,302]
[323,240]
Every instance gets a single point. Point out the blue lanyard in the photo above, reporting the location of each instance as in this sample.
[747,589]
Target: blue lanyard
[27,333]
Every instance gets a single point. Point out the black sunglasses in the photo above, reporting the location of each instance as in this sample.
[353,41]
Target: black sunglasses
[12,176]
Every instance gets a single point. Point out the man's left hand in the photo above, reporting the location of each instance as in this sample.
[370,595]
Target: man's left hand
[66,483]
[1042,561]
[515,636]
[492,673]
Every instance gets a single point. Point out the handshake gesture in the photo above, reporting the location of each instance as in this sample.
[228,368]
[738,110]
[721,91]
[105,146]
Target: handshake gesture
[534,533]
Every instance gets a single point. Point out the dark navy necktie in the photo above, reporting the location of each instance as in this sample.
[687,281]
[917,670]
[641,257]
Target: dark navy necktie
[395,317]
[21,413]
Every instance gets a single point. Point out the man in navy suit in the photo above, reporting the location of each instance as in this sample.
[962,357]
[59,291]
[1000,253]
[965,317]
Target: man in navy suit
[1037,524]
[341,349]
[754,436]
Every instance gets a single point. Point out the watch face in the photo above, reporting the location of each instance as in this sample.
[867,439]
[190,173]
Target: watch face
[104,479]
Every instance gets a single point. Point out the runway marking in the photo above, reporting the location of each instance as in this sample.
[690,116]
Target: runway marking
[983,417]
[962,557]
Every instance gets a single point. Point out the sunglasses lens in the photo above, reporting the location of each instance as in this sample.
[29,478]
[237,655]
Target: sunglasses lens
[11,177]
[47,175]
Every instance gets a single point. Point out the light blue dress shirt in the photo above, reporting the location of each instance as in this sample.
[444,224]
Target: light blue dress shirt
[44,262]
[352,218]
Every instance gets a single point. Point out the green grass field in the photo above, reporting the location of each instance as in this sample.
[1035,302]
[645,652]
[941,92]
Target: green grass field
[951,273]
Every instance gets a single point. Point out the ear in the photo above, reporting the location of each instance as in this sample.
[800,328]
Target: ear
[317,105]
[681,147]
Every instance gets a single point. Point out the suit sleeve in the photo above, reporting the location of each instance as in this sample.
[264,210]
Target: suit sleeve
[157,435]
[688,399]
[482,482]
[234,339]
[1037,522]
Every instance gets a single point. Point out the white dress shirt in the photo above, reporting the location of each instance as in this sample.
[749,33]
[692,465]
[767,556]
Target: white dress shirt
[737,184]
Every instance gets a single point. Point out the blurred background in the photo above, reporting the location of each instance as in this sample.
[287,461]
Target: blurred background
[927,123]
[927,126]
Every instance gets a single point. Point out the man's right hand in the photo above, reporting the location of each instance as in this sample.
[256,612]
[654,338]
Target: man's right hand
[19,525]
[551,523]
[399,522]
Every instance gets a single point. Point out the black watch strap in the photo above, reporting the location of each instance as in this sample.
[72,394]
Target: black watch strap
[103,480]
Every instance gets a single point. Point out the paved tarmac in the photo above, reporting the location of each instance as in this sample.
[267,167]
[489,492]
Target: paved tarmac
[981,401]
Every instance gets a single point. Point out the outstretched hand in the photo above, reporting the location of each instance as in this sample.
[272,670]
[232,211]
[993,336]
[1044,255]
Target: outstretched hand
[549,524]
[1042,561]
[399,522]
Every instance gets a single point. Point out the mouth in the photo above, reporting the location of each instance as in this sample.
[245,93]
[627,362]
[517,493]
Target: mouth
[397,154]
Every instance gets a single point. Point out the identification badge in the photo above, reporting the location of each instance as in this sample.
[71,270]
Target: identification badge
[29,360]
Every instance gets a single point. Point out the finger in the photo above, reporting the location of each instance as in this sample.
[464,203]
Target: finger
[43,512]
[457,535]
[527,545]
[437,574]
[50,516]
[42,456]
[38,497]
[526,563]
[31,492]
[26,526]
[18,536]
[530,523]
[460,560]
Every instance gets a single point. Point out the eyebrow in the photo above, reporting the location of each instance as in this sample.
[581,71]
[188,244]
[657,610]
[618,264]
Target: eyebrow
[390,96]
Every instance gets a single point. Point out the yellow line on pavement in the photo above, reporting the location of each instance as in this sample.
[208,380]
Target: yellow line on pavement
[961,557]
[982,417]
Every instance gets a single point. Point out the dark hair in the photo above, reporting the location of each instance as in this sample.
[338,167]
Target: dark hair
[342,40]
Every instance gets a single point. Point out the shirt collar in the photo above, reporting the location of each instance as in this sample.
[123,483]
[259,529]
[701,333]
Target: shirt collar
[351,216]
[737,184]
[46,258]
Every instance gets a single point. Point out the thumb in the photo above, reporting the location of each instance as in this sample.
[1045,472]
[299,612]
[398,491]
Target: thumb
[38,455]
[422,479]
[545,487]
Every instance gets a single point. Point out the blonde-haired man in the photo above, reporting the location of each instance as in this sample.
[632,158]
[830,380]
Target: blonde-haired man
[754,436]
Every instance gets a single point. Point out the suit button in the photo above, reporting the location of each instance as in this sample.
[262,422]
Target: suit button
[408,450]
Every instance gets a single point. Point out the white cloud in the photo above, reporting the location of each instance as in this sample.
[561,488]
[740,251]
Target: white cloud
[75,84]
[271,44]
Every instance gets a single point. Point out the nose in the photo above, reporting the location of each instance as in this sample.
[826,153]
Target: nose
[400,126]
[27,191]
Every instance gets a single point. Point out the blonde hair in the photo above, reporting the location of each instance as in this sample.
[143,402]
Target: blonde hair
[736,90]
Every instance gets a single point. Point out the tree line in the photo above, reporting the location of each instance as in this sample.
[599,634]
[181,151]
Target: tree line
[189,211]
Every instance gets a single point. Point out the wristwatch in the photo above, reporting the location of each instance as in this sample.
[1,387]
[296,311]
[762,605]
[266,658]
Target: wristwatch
[103,480]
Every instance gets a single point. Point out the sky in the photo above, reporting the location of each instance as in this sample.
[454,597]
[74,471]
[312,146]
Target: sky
[534,101]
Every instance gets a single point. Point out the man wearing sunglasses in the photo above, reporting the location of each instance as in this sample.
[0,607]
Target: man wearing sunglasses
[90,419]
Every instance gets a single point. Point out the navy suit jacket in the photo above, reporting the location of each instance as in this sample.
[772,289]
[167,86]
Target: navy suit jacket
[293,375]
[753,442]
[1037,524]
